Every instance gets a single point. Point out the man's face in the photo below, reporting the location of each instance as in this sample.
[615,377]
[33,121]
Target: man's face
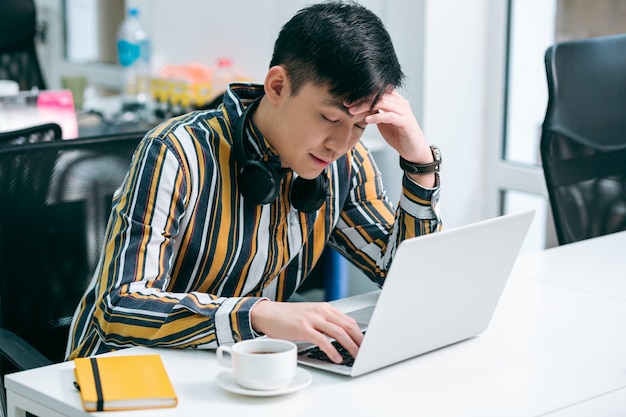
[314,130]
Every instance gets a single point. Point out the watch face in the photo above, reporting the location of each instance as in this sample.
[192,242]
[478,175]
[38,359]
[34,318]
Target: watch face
[436,153]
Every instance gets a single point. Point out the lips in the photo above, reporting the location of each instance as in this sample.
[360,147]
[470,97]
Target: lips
[321,162]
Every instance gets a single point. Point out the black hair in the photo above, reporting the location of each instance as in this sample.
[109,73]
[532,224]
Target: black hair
[341,45]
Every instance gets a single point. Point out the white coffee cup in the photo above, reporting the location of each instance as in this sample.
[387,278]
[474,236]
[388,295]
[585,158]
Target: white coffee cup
[260,364]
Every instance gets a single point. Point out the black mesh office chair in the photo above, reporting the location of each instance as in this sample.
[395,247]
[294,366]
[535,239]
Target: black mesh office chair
[40,133]
[583,143]
[48,192]
[18,56]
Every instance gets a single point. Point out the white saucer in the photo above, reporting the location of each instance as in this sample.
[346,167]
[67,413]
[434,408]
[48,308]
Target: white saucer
[226,381]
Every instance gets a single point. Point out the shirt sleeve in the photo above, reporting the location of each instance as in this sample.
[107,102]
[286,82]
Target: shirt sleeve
[370,227]
[133,305]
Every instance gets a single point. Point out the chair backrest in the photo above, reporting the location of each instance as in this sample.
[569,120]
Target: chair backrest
[18,56]
[56,198]
[40,133]
[583,142]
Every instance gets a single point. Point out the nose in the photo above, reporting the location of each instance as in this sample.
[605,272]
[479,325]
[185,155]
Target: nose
[341,140]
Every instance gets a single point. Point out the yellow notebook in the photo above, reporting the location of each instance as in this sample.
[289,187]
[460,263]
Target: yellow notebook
[123,383]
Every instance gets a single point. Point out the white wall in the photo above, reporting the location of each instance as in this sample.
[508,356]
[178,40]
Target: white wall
[455,63]
[202,31]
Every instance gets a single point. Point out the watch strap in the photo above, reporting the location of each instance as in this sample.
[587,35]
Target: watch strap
[423,169]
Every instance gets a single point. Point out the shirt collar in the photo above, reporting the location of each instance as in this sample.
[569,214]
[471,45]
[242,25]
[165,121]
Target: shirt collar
[238,96]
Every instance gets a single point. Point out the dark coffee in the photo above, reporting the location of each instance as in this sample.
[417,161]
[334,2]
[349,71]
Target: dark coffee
[261,353]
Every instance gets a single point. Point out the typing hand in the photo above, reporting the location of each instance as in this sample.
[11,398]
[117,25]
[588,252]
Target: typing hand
[312,322]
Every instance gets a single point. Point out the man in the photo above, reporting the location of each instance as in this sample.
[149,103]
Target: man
[224,212]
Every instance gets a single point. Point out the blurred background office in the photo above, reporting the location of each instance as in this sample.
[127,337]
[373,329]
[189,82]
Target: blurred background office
[475,76]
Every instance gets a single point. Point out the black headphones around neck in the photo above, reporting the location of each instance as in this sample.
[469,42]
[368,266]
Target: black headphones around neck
[259,182]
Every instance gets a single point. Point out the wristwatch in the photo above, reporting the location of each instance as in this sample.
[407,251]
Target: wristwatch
[423,169]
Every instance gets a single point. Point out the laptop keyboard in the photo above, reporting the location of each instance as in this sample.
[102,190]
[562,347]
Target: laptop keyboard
[316,353]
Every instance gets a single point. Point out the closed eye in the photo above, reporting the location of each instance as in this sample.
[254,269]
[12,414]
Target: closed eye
[330,120]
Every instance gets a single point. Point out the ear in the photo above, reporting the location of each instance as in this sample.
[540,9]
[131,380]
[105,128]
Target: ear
[276,84]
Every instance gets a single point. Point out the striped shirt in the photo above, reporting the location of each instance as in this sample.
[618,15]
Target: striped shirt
[185,258]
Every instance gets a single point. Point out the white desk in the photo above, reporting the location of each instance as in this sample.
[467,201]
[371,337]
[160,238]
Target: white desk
[550,349]
[595,265]
[610,404]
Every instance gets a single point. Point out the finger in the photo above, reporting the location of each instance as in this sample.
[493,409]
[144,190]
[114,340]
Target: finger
[357,107]
[387,101]
[360,106]
[393,102]
[324,342]
[382,116]
[353,339]
[345,331]
[349,343]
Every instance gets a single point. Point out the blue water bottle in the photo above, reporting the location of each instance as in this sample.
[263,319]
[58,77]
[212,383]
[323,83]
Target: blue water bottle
[134,50]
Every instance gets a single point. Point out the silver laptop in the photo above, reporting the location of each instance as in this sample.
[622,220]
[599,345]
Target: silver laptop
[441,288]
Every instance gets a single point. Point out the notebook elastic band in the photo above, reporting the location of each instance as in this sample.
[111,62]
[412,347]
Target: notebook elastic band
[96,378]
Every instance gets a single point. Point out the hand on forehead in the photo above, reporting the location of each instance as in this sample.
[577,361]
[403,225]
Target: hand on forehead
[364,105]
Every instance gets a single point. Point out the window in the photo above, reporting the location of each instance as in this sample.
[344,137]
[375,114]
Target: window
[532,26]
